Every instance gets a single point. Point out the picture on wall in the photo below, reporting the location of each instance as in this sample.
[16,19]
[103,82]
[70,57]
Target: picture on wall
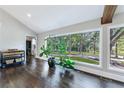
[117,48]
[80,47]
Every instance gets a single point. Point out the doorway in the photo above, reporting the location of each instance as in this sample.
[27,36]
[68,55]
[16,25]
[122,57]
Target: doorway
[28,48]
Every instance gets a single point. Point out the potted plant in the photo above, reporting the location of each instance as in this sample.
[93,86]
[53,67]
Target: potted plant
[46,51]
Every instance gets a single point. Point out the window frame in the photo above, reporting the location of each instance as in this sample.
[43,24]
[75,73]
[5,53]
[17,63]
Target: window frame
[86,31]
[109,54]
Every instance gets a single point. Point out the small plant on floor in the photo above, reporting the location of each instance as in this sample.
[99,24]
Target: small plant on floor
[66,62]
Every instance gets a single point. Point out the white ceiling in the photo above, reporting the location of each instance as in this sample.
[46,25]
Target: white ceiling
[49,17]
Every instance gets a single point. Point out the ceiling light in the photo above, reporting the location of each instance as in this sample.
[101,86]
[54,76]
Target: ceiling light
[29,15]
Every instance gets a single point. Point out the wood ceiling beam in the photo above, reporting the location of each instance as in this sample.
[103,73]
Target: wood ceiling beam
[108,14]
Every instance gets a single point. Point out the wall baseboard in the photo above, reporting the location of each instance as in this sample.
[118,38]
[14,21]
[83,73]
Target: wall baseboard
[101,73]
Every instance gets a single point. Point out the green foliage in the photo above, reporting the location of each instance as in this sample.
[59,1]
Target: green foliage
[68,63]
[82,42]
[64,59]
[86,44]
[62,46]
[117,37]
[45,51]
[48,49]
[86,60]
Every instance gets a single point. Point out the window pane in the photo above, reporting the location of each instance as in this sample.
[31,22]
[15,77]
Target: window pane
[117,47]
[81,47]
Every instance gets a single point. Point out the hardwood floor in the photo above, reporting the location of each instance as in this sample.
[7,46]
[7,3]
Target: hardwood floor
[37,74]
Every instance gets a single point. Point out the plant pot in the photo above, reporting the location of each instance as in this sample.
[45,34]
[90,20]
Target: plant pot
[51,62]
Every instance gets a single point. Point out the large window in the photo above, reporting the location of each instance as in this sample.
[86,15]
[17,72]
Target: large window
[117,48]
[80,47]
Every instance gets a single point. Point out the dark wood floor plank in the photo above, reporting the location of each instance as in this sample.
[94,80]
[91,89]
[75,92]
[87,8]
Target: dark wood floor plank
[36,74]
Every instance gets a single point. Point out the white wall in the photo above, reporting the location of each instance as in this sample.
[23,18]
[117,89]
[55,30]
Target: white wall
[94,24]
[12,32]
